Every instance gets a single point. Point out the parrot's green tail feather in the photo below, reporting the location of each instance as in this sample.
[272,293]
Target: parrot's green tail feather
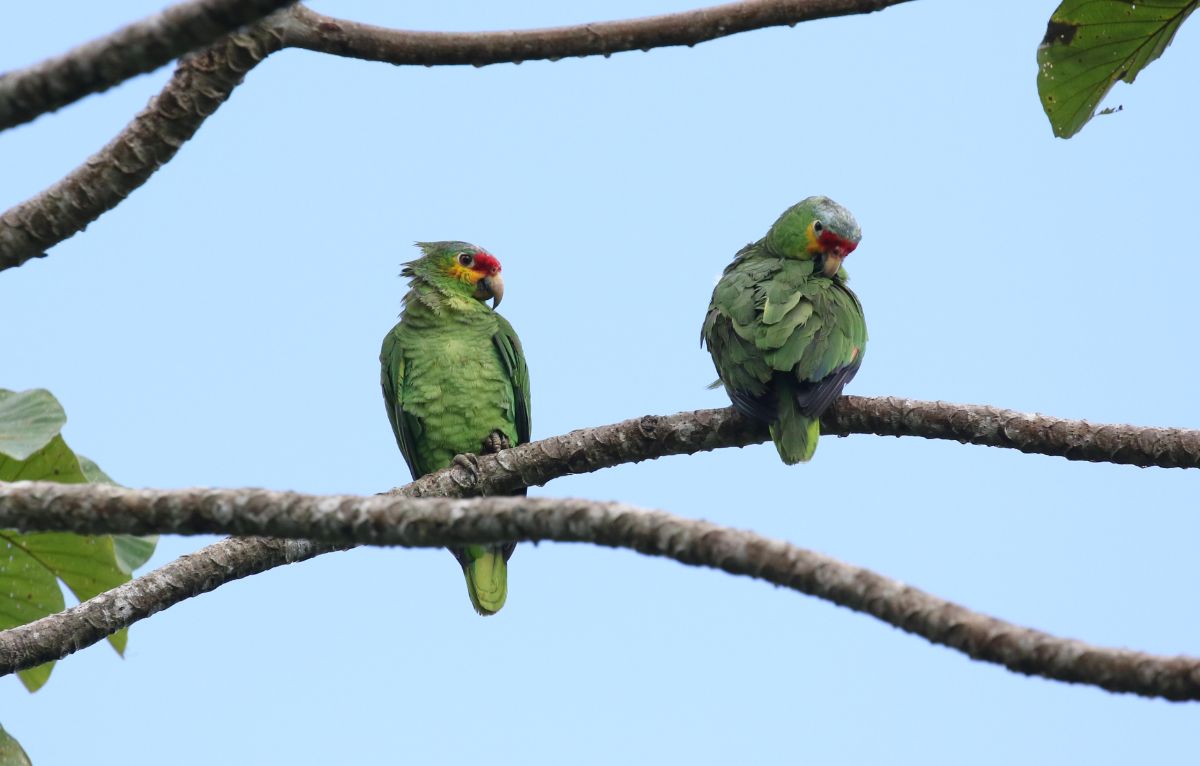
[487,578]
[795,435]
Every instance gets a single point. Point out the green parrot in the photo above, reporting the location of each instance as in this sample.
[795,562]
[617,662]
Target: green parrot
[785,333]
[455,382]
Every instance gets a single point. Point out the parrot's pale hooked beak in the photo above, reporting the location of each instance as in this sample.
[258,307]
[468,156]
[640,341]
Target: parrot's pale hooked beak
[491,286]
[833,261]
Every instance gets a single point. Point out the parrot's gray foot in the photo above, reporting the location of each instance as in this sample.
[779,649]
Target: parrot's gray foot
[496,441]
[470,463]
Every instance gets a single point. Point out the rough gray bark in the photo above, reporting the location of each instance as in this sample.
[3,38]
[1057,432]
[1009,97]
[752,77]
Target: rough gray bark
[201,83]
[685,433]
[424,522]
[305,29]
[588,450]
[132,50]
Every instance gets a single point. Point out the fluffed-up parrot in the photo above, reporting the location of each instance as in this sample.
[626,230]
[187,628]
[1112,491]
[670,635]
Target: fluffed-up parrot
[785,332]
[455,382]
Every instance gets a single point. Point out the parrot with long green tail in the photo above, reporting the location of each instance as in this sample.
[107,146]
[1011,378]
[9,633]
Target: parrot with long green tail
[785,332]
[455,383]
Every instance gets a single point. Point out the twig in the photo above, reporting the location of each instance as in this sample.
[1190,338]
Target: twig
[305,29]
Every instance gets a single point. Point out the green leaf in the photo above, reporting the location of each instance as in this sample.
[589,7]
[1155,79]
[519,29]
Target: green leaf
[28,592]
[28,420]
[92,473]
[31,566]
[11,753]
[132,552]
[1090,44]
[53,462]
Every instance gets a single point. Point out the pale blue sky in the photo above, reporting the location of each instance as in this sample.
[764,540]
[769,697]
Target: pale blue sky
[221,328]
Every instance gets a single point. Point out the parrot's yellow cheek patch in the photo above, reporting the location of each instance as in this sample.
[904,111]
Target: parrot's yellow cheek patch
[813,246]
[458,271]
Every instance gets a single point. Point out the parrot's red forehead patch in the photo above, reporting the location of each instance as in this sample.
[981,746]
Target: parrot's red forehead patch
[829,240]
[486,262]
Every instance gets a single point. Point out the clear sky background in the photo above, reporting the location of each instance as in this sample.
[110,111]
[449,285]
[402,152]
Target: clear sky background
[221,328]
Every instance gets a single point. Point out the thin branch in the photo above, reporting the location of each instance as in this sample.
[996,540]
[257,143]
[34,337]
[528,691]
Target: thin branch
[306,29]
[132,50]
[592,449]
[201,83]
[204,80]
[424,522]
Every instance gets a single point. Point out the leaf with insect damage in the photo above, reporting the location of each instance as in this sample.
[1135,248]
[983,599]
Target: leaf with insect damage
[1091,44]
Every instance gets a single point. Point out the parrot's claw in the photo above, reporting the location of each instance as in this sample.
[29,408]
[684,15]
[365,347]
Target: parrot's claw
[470,463]
[496,441]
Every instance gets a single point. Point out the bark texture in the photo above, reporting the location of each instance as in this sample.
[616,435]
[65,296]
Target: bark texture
[424,522]
[583,451]
[132,50]
[201,83]
[306,29]
[685,433]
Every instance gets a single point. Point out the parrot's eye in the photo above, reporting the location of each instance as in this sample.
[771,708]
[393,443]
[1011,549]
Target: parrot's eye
[818,227]
[465,259]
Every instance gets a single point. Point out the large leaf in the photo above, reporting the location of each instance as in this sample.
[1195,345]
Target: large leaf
[28,419]
[1090,44]
[31,566]
[11,753]
[28,592]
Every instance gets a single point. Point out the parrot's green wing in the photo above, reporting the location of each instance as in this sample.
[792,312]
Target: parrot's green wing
[820,342]
[508,346]
[729,332]
[785,343]
[404,426]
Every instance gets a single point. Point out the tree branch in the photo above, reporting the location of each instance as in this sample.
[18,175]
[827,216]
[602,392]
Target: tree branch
[685,433]
[424,522]
[305,29]
[132,50]
[201,83]
[583,451]
[204,80]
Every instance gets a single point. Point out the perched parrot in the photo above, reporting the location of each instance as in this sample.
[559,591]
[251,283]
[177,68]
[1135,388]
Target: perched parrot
[455,382]
[785,333]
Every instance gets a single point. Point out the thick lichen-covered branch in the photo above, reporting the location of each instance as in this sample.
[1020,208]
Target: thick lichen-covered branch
[201,83]
[389,520]
[592,449]
[132,50]
[305,29]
